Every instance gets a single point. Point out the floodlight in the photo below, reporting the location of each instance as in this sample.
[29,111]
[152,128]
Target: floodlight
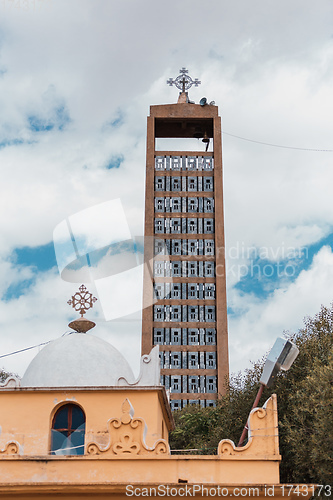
[281,357]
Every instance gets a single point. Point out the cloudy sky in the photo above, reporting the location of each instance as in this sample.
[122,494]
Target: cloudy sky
[76,81]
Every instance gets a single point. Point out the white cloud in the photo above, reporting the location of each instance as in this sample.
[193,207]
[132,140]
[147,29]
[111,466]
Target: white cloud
[261,321]
[42,314]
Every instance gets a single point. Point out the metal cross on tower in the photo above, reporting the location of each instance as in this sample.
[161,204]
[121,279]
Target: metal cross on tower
[183,81]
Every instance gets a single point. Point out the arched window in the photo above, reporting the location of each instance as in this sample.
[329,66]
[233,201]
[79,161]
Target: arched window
[67,433]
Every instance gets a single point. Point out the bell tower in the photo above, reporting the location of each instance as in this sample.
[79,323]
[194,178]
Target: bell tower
[184,240]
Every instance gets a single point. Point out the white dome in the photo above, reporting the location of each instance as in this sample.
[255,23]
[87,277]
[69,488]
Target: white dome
[77,360]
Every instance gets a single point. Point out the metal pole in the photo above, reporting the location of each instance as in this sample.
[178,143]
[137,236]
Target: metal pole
[255,404]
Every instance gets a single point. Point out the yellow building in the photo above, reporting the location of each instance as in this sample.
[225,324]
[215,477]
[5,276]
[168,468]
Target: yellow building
[78,425]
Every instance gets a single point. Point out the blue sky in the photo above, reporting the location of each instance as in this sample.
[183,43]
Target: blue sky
[262,276]
[73,135]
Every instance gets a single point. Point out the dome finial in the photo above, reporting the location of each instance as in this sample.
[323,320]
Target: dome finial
[82,301]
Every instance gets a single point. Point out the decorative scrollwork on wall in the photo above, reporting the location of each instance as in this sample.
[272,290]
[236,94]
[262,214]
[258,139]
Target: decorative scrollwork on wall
[127,436]
[11,448]
[263,435]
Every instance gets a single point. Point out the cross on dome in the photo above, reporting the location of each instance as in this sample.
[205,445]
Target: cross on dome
[82,301]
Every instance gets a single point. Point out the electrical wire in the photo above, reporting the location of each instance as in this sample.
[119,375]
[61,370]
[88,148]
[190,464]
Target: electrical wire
[22,350]
[28,348]
[277,145]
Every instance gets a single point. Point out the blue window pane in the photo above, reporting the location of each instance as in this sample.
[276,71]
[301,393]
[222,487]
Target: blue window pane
[77,439]
[58,440]
[77,417]
[61,418]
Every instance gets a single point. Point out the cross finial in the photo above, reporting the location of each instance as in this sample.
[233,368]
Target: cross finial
[82,301]
[183,82]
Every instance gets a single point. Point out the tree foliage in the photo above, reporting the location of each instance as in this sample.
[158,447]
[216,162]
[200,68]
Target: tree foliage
[305,408]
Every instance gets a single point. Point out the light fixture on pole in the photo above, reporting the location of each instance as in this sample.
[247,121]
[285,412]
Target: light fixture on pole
[281,357]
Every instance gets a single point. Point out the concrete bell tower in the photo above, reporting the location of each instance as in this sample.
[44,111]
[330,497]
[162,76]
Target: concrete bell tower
[184,240]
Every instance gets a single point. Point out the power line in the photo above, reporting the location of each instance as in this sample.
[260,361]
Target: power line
[277,145]
[28,348]
[22,350]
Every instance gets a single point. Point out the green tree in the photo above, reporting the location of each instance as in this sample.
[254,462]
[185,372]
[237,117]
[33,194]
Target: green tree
[305,408]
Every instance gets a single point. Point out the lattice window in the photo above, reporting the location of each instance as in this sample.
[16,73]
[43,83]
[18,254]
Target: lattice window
[193,360]
[210,360]
[193,384]
[159,225]
[175,360]
[207,163]
[210,314]
[208,225]
[192,226]
[159,163]
[176,336]
[208,204]
[159,313]
[158,336]
[209,269]
[176,313]
[175,291]
[159,183]
[192,268]
[211,384]
[175,226]
[159,268]
[192,184]
[175,204]
[208,183]
[193,336]
[192,247]
[176,247]
[175,183]
[209,291]
[176,268]
[159,290]
[175,404]
[176,163]
[159,204]
[209,247]
[192,163]
[193,313]
[192,291]
[159,247]
[192,204]
[210,336]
